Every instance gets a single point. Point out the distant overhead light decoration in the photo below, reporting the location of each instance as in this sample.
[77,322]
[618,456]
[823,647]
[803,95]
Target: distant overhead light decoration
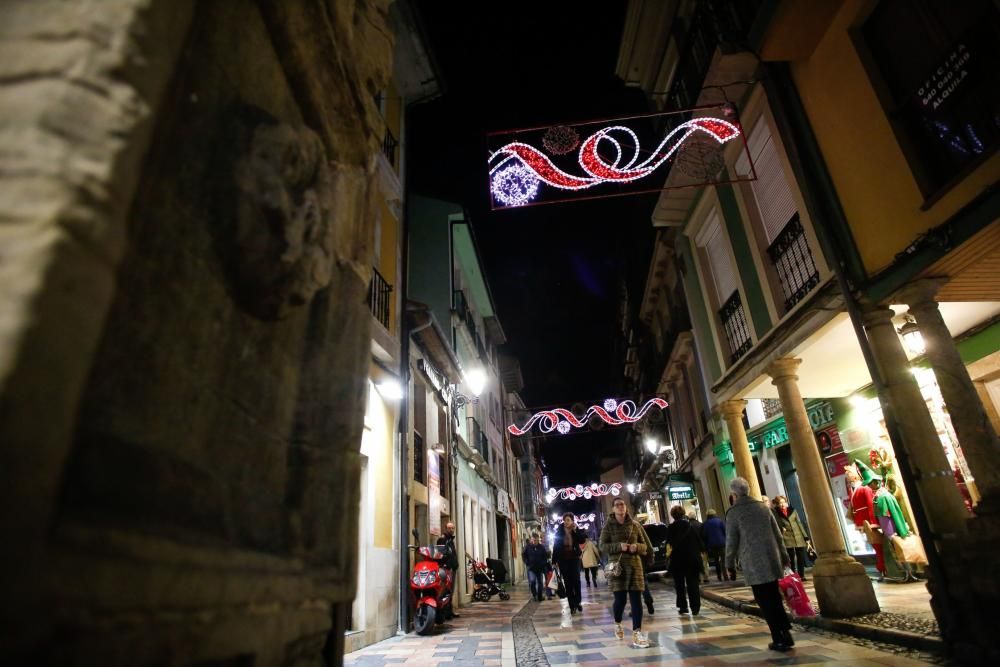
[595,490]
[513,187]
[560,139]
[562,420]
[581,520]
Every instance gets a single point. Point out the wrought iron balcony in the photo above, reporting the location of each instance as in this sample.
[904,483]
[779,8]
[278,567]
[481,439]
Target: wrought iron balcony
[793,262]
[734,323]
[459,303]
[379,298]
[389,146]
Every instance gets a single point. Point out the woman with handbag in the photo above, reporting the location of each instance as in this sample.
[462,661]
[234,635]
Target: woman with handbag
[566,555]
[626,543]
[794,534]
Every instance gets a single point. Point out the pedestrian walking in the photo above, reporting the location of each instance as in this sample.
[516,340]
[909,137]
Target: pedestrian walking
[685,561]
[626,543]
[590,558]
[696,527]
[793,533]
[753,537]
[450,555]
[536,560]
[713,534]
[566,548]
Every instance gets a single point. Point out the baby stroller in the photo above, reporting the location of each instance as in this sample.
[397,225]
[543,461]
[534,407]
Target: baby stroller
[489,578]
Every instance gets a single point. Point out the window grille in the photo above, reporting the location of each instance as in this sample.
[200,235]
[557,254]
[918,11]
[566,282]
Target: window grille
[793,262]
[734,323]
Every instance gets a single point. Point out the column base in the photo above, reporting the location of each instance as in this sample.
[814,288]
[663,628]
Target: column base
[843,587]
[973,591]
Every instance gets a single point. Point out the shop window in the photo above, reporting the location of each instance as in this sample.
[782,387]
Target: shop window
[933,65]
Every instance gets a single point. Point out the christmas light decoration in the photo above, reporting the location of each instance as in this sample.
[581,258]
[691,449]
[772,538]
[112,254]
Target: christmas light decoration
[514,186]
[561,419]
[595,490]
[597,169]
[581,520]
[560,140]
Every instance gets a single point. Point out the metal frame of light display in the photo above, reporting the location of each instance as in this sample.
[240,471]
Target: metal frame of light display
[532,166]
[612,412]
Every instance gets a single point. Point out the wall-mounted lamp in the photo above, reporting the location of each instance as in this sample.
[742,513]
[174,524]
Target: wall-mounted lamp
[912,338]
[652,445]
[475,380]
[631,487]
[390,389]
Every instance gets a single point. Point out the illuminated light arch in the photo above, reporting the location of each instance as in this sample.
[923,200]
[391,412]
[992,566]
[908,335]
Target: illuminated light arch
[598,170]
[563,421]
[595,490]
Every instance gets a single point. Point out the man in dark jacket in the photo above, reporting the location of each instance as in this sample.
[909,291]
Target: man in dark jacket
[685,560]
[536,560]
[566,554]
[713,534]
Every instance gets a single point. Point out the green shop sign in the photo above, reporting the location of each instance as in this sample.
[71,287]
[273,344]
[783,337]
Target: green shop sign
[776,434]
[680,492]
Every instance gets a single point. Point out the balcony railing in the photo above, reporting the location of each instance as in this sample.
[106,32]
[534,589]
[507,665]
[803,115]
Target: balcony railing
[478,439]
[772,407]
[389,146]
[379,298]
[793,261]
[734,322]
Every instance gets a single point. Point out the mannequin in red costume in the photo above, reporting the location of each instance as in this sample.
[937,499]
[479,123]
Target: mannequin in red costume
[863,509]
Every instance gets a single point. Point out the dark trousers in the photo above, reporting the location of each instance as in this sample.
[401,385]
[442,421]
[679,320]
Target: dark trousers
[570,570]
[590,573]
[647,595]
[536,582]
[687,584]
[635,601]
[797,557]
[717,557]
[768,597]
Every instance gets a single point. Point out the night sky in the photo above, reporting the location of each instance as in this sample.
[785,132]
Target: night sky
[556,270]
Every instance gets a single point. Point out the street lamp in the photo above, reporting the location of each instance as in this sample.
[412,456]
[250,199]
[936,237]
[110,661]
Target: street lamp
[912,338]
[652,445]
[630,487]
[475,380]
[390,389]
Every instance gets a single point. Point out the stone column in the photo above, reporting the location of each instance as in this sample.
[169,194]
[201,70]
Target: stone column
[842,585]
[732,411]
[972,425]
[938,493]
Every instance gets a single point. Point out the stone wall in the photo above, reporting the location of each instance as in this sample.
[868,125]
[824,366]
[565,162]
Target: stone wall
[185,197]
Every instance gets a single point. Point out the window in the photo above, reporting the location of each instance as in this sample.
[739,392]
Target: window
[715,249]
[933,65]
[793,266]
[419,459]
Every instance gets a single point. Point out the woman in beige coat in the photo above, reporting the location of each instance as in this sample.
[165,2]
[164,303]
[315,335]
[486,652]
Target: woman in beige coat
[591,559]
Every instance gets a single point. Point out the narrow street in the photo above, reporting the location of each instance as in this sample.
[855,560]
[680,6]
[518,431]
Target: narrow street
[492,634]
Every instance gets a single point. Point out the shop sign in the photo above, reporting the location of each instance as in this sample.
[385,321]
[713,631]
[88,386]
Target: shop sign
[945,78]
[503,502]
[819,414]
[433,376]
[655,495]
[685,492]
[724,452]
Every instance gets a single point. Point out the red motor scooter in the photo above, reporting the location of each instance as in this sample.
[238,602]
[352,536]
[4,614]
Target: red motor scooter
[431,586]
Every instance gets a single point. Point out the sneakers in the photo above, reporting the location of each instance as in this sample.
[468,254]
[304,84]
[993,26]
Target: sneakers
[639,639]
[619,632]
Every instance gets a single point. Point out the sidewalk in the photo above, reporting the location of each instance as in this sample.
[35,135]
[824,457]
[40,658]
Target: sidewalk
[905,618]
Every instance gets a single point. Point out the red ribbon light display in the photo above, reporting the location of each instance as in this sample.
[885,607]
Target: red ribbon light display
[562,420]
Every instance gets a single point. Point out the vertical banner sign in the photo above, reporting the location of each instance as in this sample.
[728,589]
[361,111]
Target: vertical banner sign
[614,157]
[434,492]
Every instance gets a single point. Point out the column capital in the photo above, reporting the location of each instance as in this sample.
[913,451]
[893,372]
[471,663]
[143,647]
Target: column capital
[876,315]
[732,408]
[919,292]
[783,368]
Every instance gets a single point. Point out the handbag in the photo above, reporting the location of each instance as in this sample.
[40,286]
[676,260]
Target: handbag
[614,570]
[811,551]
[560,586]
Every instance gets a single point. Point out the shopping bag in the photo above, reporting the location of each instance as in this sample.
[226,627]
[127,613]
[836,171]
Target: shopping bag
[561,589]
[908,549]
[795,595]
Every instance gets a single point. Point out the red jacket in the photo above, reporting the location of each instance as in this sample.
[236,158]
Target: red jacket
[863,506]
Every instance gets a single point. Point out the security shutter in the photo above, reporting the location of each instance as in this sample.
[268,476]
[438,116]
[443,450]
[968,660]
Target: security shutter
[771,189]
[717,250]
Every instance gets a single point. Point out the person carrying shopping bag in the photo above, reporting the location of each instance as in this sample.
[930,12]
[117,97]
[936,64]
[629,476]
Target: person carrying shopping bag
[590,557]
[626,543]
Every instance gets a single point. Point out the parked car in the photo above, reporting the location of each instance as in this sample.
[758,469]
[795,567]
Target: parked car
[657,533]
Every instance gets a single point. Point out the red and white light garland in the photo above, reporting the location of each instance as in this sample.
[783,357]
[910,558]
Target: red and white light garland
[597,169]
[562,420]
[595,490]
[581,520]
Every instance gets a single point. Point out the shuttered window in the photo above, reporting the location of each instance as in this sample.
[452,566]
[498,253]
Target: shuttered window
[771,190]
[716,247]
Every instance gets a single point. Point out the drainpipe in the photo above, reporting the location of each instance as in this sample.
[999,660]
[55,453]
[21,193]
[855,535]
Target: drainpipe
[793,122]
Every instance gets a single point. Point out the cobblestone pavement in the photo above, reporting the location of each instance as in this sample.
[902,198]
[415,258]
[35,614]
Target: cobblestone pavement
[497,633]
